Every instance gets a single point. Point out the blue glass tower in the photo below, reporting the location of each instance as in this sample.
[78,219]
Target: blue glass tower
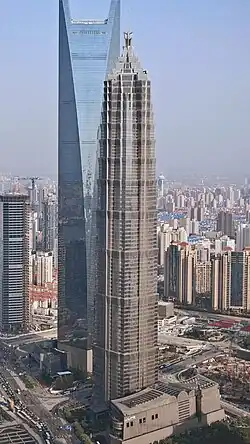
[88,50]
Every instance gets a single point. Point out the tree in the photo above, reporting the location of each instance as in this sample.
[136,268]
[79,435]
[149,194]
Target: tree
[217,433]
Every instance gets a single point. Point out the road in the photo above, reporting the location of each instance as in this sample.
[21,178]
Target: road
[16,420]
[188,342]
[21,411]
[208,315]
[30,337]
[188,362]
[233,410]
[28,401]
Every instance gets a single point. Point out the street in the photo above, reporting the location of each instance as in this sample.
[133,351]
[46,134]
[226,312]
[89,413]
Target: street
[27,404]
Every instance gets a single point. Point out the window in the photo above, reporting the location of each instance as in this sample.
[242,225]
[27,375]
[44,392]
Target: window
[144,420]
[140,421]
[153,416]
[156,416]
[127,424]
[131,423]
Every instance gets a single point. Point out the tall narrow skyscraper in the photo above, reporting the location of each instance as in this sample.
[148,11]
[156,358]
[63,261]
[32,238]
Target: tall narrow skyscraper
[49,223]
[87,52]
[14,262]
[125,351]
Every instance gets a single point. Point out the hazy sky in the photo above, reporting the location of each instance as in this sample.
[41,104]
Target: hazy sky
[198,56]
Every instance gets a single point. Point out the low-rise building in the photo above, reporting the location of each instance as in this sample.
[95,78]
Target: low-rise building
[157,412]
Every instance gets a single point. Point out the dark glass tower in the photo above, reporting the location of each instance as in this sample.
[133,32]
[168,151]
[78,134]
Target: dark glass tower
[14,262]
[87,51]
[125,350]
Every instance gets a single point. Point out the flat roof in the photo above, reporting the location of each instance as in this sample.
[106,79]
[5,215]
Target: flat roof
[159,394]
[198,381]
[16,434]
[66,373]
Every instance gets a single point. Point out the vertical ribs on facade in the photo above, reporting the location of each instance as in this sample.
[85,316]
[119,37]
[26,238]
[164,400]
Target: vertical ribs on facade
[125,354]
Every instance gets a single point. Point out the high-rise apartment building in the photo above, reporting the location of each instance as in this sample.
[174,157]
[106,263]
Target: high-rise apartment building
[49,225]
[179,273]
[125,351]
[230,281]
[240,279]
[243,237]
[193,213]
[14,262]
[87,52]
[200,213]
[203,279]
[160,185]
[225,223]
[166,235]
[42,268]
[171,271]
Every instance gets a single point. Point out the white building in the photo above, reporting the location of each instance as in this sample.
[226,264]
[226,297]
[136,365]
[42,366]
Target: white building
[243,237]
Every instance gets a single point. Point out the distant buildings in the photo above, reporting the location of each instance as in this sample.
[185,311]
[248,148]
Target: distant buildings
[231,281]
[203,279]
[160,185]
[14,262]
[179,273]
[42,268]
[243,237]
[222,281]
[49,223]
[225,223]
[166,235]
[224,243]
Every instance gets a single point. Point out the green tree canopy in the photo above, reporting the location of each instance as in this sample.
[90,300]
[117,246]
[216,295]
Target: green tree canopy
[215,434]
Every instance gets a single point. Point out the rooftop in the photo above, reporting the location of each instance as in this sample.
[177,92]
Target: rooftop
[198,382]
[128,63]
[160,394]
[15,434]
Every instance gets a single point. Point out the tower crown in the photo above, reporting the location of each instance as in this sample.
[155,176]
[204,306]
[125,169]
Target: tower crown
[128,39]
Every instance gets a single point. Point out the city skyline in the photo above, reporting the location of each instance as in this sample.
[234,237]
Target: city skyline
[99,269]
[206,69]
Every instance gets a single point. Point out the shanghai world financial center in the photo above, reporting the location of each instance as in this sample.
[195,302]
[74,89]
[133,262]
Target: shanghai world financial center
[88,50]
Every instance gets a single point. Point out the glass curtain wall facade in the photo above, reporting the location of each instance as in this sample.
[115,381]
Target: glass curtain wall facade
[14,262]
[87,51]
[125,350]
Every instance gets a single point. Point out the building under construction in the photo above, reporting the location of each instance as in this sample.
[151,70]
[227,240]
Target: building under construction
[232,375]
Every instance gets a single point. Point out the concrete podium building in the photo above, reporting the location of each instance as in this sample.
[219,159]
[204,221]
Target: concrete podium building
[165,409]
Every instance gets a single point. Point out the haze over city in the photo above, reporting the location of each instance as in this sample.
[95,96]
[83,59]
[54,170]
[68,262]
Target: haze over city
[198,58]
[125,275]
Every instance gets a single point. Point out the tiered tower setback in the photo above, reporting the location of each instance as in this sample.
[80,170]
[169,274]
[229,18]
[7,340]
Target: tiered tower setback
[125,353]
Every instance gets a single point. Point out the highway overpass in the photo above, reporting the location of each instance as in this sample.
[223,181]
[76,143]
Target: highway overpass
[233,410]
[189,343]
[209,315]
[30,337]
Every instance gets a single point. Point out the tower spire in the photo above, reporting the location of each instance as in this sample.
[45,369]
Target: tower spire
[128,39]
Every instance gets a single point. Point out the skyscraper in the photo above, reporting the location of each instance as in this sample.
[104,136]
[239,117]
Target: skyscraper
[14,262]
[179,273]
[49,223]
[125,351]
[87,52]
[231,280]
[225,223]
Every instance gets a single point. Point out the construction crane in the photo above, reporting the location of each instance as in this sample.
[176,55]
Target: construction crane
[33,180]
